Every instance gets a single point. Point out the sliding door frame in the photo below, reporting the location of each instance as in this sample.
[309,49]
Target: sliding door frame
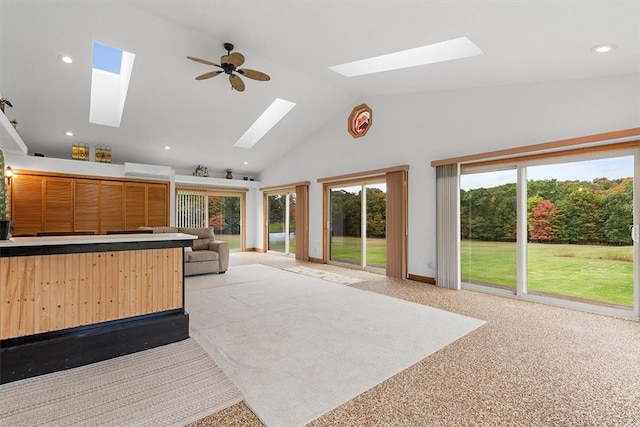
[396,267]
[301,191]
[222,192]
[520,164]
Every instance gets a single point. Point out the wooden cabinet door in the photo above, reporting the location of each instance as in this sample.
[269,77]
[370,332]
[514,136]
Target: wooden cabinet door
[135,201]
[111,206]
[26,204]
[157,203]
[86,205]
[58,204]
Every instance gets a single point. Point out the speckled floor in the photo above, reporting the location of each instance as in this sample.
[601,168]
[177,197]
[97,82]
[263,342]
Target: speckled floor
[530,364]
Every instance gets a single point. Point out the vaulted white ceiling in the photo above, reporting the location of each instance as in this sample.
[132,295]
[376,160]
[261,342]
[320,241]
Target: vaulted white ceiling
[294,42]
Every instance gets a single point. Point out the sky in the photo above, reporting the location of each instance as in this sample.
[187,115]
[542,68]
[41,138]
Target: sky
[617,167]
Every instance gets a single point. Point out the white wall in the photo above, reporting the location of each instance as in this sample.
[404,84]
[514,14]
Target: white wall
[415,129]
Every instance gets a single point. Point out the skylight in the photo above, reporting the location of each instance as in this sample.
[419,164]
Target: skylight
[438,52]
[110,75]
[269,118]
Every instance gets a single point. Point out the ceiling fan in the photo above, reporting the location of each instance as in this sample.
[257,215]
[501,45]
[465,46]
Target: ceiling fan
[229,64]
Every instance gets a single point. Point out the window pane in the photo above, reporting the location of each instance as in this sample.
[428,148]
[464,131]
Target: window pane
[376,225]
[276,220]
[346,234]
[579,220]
[292,223]
[224,217]
[488,228]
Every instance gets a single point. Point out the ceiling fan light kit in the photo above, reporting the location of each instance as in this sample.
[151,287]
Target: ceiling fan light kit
[229,64]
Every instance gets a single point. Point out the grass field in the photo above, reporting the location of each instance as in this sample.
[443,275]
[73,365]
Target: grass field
[232,239]
[596,273]
[349,249]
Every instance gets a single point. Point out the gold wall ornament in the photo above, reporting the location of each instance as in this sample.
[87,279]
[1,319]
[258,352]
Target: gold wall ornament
[103,153]
[80,151]
[360,120]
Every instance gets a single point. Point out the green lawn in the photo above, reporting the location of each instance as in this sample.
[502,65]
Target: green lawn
[597,273]
[232,239]
[349,250]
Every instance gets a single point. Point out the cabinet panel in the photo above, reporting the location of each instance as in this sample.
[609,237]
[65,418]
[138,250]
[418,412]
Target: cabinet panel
[111,206]
[41,202]
[58,204]
[27,194]
[135,196]
[86,205]
[157,203]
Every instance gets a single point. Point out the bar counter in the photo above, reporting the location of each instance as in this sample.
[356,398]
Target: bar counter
[71,300]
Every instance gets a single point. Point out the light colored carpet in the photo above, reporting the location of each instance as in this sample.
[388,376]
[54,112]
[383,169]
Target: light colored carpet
[324,275]
[170,385]
[298,347]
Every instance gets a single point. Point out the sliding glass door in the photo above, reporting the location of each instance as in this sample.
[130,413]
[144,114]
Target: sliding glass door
[488,228]
[225,216]
[575,240]
[281,222]
[223,211]
[580,217]
[358,225]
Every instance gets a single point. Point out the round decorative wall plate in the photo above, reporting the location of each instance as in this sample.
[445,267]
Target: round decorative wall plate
[360,120]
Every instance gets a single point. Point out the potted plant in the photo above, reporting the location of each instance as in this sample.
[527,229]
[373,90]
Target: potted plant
[3,102]
[6,226]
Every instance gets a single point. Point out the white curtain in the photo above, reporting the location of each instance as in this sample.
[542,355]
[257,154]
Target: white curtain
[192,209]
[448,225]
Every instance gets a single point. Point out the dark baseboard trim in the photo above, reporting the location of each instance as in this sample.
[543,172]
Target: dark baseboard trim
[423,279]
[51,352]
[316,260]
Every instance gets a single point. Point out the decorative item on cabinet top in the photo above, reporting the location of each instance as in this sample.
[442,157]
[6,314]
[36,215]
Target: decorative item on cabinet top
[201,171]
[103,153]
[4,102]
[80,151]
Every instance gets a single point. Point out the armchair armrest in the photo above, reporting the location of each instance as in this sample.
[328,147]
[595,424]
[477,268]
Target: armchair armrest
[223,253]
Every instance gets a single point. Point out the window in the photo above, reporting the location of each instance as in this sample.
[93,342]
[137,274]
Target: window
[572,244]
[222,210]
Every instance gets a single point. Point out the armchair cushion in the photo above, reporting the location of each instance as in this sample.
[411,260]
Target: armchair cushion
[198,256]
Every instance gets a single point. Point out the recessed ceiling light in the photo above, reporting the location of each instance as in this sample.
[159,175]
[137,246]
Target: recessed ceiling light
[447,50]
[268,119]
[166,147]
[68,133]
[603,48]
[65,58]
[245,163]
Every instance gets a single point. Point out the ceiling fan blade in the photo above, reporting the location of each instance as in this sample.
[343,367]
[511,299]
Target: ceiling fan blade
[208,75]
[236,82]
[253,74]
[236,58]
[203,61]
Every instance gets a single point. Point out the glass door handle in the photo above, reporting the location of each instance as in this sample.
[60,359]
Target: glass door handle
[635,233]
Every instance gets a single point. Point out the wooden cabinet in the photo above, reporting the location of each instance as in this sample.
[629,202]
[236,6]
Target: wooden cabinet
[111,206]
[157,202]
[27,210]
[58,204]
[135,200]
[86,205]
[46,203]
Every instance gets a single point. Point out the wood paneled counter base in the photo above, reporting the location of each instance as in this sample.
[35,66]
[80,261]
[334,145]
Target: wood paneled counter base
[71,300]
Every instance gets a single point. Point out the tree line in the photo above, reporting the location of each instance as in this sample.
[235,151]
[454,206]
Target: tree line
[583,212]
[346,213]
